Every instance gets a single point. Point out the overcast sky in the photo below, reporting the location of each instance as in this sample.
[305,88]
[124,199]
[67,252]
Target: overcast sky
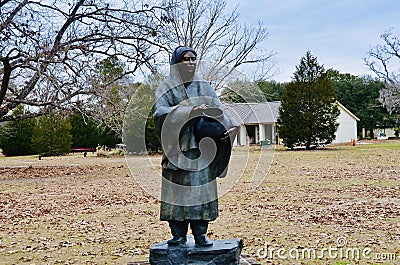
[338,32]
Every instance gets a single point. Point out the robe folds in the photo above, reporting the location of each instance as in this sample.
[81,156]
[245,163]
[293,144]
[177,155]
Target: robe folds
[190,165]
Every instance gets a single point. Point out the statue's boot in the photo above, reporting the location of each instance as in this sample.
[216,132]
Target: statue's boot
[199,229]
[178,230]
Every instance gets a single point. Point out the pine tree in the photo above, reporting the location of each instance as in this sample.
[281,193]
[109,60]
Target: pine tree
[15,136]
[52,135]
[272,90]
[84,130]
[308,111]
[139,132]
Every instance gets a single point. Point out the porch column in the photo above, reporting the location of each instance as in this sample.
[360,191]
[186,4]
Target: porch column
[261,135]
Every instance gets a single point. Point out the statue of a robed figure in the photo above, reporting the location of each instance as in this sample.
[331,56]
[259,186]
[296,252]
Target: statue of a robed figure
[196,133]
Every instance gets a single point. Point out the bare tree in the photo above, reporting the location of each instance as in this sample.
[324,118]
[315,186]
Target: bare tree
[384,61]
[217,36]
[49,49]
[223,46]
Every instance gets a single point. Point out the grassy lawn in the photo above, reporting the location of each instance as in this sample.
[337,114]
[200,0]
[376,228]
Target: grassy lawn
[90,210]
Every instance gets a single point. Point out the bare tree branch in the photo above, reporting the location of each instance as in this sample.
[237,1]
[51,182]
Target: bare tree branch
[49,50]
[384,60]
[217,36]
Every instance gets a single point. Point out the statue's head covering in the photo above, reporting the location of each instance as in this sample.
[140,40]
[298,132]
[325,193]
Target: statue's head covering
[179,52]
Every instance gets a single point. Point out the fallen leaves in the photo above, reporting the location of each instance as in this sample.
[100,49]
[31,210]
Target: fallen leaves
[91,211]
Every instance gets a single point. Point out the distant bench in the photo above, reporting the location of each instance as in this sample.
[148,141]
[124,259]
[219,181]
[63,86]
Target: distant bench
[83,150]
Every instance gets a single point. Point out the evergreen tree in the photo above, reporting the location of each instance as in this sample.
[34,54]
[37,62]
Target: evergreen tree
[308,113]
[361,96]
[15,136]
[85,132]
[272,90]
[152,142]
[139,132]
[52,135]
[114,92]
[108,137]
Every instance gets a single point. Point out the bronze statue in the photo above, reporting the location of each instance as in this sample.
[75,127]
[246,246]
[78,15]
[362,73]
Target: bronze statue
[186,110]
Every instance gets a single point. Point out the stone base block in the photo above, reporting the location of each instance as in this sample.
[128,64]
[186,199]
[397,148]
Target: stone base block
[222,252]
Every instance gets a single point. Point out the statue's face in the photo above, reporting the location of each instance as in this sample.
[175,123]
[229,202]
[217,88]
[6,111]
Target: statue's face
[187,65]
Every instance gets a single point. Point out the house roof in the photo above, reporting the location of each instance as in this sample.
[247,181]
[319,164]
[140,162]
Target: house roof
[265,112]
[348,111]
[254,113]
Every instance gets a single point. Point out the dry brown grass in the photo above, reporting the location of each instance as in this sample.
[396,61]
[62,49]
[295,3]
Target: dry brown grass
[90,210]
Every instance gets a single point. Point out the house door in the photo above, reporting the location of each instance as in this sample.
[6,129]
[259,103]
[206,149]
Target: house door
[252,133]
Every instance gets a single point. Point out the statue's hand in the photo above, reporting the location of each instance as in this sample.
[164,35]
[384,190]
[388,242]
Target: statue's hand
[198,110]
[201,107]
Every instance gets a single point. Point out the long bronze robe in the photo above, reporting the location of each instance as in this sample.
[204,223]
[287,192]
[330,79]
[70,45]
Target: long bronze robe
[189,189]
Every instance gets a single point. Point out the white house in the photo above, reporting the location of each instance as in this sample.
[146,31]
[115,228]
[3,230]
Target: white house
[258,122]
[347,129]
